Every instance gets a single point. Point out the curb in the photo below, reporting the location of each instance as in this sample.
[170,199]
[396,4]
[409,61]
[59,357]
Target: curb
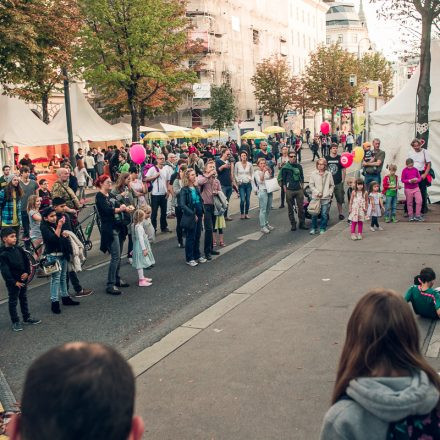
[7,398]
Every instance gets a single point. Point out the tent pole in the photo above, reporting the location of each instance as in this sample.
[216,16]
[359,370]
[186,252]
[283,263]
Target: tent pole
[68,117]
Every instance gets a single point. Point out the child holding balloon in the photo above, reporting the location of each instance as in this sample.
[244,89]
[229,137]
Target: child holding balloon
[358,209]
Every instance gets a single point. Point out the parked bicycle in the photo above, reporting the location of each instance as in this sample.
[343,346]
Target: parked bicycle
[83,229]
[35,256]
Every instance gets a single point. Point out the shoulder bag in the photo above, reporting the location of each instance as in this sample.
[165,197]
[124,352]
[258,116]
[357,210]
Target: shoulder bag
[314,207]
[272,185]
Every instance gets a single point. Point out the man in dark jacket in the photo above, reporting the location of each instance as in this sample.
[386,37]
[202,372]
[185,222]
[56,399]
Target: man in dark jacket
[291,177]
[15,268]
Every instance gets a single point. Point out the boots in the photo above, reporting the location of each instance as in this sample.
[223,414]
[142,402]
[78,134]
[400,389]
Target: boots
[55,307]
[68,301]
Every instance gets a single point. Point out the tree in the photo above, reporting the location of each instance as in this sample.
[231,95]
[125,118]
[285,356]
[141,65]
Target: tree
[222,108]
[300,99]
[273,86]
[375,67]
[135,50]
[426,12]
[52,27]
[327,79]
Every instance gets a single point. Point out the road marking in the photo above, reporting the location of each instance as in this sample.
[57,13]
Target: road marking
[240,240]
[434,343]
[220,308]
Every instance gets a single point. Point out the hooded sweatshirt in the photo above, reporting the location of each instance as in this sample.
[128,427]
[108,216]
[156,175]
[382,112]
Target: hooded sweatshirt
[374,403]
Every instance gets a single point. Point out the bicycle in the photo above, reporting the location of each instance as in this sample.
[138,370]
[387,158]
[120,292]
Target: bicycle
[34,257]
[85,234]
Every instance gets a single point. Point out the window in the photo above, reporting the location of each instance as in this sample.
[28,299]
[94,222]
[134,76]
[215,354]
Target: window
[255,36]
[355,38]
[328,39]
[340,38]
[249,115]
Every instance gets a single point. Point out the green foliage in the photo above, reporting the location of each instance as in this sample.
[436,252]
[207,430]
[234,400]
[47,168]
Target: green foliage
[327,79]
[375,67]
[133,52]
[222,109]
[273,86]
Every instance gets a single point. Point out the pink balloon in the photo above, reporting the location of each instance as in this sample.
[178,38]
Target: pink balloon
[347,159]
[137,153]
[325,128]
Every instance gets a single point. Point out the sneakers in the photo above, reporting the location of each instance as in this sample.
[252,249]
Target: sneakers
[419,219]
[32,321]
[387,220]
[411,219]
[341,217]
[265,230]
[394,220]
[214,252]
[130,260]
[202,260]
[380,228]
[312,232]
[372,229]
[17,327]
[321,231]
[180,245]
[353,236]
[359,237]
[83,292]
[113,290]
[192,263]
[144,283]
[208,257]
[271,228]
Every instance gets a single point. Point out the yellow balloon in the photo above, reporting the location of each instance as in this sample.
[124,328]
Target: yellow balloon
[358,154]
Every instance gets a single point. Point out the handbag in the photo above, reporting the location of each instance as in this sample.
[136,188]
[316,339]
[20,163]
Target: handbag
[188,221]
[314,207]
[50,265]
[272,185]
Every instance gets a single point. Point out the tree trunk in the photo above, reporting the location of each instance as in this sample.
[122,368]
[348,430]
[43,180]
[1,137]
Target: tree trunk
[142,115]
[424,86]
[304,119]
[280,118]
[333,119]
[45,107]
[134,115]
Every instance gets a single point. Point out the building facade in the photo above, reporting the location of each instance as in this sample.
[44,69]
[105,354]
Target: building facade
[347,27]
[236,35]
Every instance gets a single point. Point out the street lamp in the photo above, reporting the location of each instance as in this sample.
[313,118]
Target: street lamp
[359,46]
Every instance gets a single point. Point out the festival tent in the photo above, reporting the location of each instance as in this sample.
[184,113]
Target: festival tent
[125,128]
[161,126]
[395,123]
[22,129]
[87,125]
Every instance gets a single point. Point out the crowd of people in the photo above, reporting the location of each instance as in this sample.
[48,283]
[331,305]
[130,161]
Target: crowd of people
[194,184]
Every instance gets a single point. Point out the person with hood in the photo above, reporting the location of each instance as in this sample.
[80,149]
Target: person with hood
[291,178]
[383,384]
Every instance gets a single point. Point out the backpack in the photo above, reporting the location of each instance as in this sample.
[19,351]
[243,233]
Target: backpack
[145,170]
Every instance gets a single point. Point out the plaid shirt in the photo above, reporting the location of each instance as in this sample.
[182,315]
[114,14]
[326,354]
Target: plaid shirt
[7,210]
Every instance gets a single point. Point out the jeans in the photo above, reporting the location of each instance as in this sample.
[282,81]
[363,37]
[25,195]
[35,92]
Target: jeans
[58,281]
[17,294]
[374,221]
[92,173]
[115,261]
[245,190]
[265,202]
[179,231]
[25,224]
[192,242]
[81,192]
[325,206]
[73,277]
[371,178]
[410,194]
[208,223]
[156,202]
[424,193]
[298,197]
[390,206]
[227,191]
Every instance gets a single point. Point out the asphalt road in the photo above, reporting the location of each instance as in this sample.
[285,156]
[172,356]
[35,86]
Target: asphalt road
[141,316]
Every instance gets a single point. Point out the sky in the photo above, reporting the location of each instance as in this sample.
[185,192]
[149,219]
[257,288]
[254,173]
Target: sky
[384,34]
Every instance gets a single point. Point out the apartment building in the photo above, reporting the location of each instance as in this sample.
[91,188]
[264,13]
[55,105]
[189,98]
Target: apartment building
[236,36]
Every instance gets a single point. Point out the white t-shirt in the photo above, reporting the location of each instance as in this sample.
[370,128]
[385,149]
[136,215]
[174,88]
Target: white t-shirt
[160,185]
[419,158]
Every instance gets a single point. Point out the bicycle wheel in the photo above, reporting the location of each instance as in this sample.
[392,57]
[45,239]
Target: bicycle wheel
[34,266]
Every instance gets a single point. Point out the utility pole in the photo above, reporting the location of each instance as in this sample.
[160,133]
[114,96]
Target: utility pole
[68,116]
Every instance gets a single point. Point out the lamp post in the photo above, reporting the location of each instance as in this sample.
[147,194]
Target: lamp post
[68,116]
[365,92]
[359,46]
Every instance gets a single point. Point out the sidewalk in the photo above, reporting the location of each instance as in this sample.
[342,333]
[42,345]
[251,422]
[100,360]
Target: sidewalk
[261,363]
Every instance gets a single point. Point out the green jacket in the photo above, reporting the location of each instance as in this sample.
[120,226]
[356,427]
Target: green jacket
[291,176]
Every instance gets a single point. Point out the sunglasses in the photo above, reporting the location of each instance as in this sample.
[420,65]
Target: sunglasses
[292,157]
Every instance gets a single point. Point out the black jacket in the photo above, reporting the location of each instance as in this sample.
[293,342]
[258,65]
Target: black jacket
[52,243]
[186,202]
[292,176]
[106,211]
[13,264]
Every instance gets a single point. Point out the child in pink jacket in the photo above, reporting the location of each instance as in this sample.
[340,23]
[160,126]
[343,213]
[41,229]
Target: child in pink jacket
[411,178]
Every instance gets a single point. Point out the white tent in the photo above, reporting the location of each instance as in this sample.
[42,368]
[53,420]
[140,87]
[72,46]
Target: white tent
[394,123]
[21,128]
[161,126]
[87,125]
[125,128]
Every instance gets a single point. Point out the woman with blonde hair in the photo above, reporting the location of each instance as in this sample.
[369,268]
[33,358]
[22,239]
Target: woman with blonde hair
[33,210]
[384,386]
[322,187]
[262,174]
